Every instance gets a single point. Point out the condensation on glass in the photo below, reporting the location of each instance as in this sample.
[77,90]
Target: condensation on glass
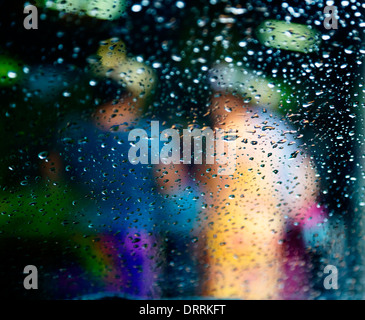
[182,149]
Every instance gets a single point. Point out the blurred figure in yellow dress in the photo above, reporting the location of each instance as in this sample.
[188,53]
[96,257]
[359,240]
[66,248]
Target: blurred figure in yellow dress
[274,186]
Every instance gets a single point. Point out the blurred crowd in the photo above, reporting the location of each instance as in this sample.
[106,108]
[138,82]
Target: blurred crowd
[97,224]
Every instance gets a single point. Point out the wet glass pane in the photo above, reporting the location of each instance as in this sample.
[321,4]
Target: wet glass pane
[164,149]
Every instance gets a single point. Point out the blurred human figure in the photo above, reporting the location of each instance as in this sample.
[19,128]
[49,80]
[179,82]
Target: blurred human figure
[274,185]
[181,207]
[95,154]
